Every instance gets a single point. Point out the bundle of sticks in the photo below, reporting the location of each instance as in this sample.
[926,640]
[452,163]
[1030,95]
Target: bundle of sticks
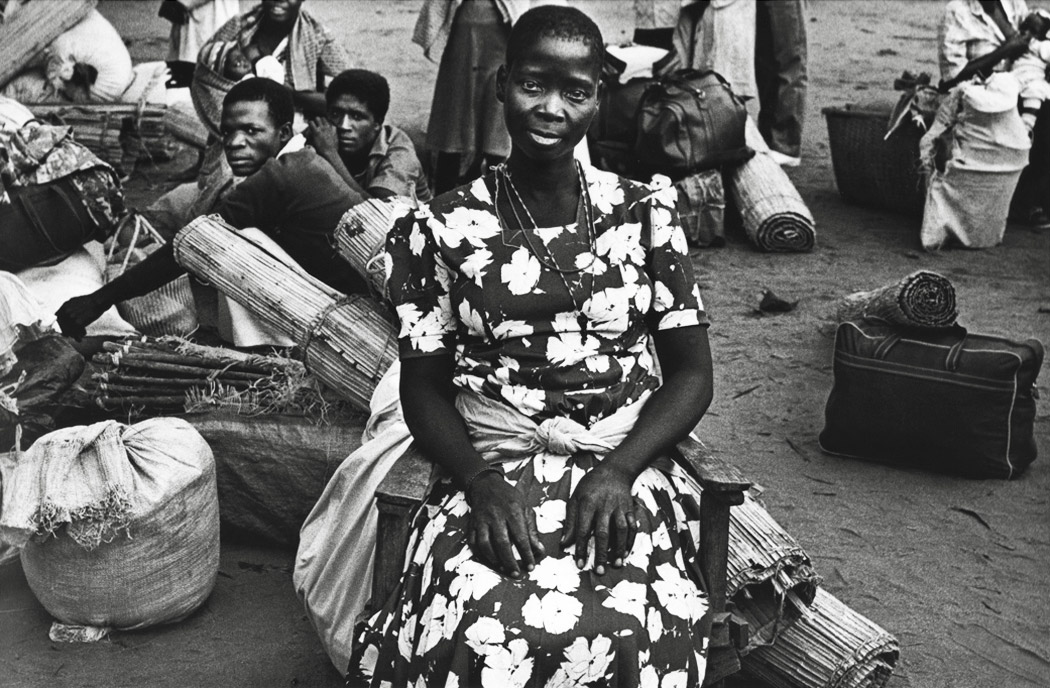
[170,374]
[113,130]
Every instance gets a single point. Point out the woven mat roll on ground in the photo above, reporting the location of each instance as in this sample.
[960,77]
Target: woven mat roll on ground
[922,299]
[775,217]
[347,342]
[361,235]
[830,646]
[769,576]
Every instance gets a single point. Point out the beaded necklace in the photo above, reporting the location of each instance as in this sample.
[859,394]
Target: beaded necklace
[512,195]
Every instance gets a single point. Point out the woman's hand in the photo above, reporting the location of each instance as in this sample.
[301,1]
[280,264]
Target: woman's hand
[323,136]
[499,519]
[601,507]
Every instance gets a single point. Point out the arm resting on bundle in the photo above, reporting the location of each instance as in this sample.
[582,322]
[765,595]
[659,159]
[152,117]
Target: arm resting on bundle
[154,272]
[498,516]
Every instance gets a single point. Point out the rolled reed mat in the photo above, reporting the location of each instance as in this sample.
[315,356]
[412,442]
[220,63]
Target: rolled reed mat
[769,576]
[361,235]
[346,341]
[922,299]
[829,646]
[775,217]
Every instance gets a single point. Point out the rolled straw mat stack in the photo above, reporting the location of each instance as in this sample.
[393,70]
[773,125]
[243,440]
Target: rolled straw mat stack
[922,299]
[830,646]
[347,342]
[775,217]
[361,235]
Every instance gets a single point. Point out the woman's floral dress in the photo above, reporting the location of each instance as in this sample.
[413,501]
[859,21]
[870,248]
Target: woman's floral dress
[462,284]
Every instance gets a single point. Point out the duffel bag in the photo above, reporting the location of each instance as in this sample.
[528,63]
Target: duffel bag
[43,224]
[947,399]
[689,121]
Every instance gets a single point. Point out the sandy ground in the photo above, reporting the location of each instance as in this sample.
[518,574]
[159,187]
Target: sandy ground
[956,569]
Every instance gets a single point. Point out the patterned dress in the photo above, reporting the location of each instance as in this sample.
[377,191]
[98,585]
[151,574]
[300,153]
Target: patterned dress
[547,348]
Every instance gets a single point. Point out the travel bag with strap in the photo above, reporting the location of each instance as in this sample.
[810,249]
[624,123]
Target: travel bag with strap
[945,399]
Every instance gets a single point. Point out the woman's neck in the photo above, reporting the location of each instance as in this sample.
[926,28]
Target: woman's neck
[541,177]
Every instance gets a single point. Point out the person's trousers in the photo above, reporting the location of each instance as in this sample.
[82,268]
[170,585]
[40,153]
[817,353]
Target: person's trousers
[780,73]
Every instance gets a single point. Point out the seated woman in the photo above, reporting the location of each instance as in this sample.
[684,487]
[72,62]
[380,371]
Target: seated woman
[981,36]
[552,549]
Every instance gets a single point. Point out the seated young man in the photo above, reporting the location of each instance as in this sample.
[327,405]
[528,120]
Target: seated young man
[374,159]
[294,196]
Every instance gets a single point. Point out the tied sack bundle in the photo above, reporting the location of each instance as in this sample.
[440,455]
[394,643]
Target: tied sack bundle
[921,299]
[119,524]
[346,341]
[830,646]
[361,235]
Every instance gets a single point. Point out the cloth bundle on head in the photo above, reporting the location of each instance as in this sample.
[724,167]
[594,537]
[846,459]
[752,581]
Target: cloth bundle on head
[775,217]
[921,299]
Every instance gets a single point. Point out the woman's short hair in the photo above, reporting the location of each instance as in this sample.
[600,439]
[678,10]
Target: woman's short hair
[278,98]
[368,87]
[555,21]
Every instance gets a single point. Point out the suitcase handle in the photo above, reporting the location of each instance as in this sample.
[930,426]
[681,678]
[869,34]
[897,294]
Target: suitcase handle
[951,361]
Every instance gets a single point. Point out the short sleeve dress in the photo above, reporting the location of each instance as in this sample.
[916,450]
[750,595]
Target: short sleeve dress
[539,325]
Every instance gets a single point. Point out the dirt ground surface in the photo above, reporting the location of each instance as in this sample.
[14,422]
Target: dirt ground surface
[957,569]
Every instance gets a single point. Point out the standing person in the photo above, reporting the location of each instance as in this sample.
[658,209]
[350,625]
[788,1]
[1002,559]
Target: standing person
[465,127]
[552,550]
[192,24]
[719,35]
[780,74]
[971,32]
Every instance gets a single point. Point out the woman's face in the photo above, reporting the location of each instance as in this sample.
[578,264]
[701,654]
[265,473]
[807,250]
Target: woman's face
[282,11]
[549,95]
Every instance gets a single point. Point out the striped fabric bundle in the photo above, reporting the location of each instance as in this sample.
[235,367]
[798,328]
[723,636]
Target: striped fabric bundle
[830,646]
[775,217]
[922,299]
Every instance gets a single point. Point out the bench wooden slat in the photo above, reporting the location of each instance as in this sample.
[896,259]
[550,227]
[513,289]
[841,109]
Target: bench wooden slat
[713,472]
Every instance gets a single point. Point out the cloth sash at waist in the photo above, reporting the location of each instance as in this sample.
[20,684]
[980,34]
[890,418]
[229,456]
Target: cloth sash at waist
[502,433]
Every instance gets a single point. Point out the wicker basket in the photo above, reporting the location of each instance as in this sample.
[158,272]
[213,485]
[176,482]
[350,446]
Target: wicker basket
[873,172]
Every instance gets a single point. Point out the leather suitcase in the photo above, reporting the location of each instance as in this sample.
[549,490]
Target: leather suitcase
[943,399]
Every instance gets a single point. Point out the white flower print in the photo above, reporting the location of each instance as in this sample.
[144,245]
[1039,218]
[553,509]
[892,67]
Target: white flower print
[406,635]
[475,265]
[675,679]
[473,580]
[485,636]
[473,321]
[642,548]
[664,297]
[661,537]
[416,241]
[679,319]
[609,309]
[622,244]
[696,295]
[522,273]
[605,192]
[663,191]
[648,678]
[409,315]
[587,662]
[527,400]
[439,622]
[550,515]
[654,624]
[466,224]
[569,348]
[453,562]
[597,364]
[549,234]
[508,667]
[480,191]
[549,468]
[556,573]
[512,328]
[555,612]
[628,598]
[678,595]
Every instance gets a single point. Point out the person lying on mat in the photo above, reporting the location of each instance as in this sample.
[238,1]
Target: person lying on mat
[527,302]
[374,159]
[289,192]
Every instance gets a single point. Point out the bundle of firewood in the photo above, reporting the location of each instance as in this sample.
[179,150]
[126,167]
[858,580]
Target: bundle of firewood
[170,374]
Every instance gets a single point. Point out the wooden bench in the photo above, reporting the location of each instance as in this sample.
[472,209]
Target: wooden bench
[723,487]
